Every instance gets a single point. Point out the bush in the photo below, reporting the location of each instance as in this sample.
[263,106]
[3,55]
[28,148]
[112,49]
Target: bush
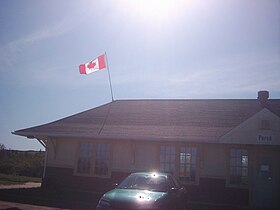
[23,163]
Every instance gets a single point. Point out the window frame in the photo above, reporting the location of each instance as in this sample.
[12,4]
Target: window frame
[92,171]
[176,174]
[88,156]
[193,163]
[240,166]
[104,149]
[166,156]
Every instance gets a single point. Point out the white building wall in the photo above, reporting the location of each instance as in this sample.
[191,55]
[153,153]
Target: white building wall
[213,161]
[146,156]
[62,152]
[121,156]
[131,156]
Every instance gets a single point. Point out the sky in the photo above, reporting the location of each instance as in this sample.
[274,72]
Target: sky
[156,49]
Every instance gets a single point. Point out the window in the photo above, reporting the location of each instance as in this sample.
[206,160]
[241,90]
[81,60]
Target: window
[182,164]
[85,157]
[238,166]
[167,159]
[93,159]
[188,164]
[102,159]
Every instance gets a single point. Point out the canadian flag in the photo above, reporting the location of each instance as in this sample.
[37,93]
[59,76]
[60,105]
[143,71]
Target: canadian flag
[94,65]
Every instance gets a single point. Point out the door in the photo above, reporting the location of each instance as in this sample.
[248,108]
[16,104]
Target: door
[265,186]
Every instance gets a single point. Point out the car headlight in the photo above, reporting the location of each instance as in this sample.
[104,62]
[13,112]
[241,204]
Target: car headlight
[104,203]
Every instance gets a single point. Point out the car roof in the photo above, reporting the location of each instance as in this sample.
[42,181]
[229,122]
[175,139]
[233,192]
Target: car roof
[151,173]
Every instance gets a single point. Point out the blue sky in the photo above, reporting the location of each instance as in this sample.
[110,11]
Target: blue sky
[157,49]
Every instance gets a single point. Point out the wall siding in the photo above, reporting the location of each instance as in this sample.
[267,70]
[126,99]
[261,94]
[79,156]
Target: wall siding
[213,161]
[132,156]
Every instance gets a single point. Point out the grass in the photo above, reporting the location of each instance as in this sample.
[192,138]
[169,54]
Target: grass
[7,179]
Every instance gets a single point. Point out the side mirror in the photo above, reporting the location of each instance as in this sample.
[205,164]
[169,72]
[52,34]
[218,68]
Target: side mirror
[115,185]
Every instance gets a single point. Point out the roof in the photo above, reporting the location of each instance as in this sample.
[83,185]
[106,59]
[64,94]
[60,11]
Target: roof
[195,120]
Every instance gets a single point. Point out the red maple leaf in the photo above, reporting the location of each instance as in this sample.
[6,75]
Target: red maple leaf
[91,65]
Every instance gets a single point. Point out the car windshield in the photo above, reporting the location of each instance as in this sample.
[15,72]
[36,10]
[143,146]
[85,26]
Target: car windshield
[145,182]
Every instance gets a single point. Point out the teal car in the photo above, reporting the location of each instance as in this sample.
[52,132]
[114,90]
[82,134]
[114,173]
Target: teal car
[145,191]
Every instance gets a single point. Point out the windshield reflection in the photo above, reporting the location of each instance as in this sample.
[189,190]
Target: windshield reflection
[145,182]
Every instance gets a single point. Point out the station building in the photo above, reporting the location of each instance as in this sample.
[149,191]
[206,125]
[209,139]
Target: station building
[225,151]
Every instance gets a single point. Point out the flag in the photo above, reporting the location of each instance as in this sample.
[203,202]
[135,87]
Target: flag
[94,65]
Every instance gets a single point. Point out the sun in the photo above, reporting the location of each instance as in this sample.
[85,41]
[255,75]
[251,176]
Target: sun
[155,9]
[152,10]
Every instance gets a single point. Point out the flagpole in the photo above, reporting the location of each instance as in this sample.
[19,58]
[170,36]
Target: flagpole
[109,77]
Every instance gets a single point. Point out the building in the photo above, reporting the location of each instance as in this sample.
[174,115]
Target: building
[225,151]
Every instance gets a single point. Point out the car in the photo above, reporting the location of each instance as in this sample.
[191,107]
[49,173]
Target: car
[146,191]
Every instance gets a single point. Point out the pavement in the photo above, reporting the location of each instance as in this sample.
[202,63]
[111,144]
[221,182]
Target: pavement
[30,196]
[4,205]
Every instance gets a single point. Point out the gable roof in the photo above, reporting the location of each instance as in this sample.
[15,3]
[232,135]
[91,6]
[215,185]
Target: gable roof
[195,120]
[254,133]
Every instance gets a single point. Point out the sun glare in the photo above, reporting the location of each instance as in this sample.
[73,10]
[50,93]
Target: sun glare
[153,10]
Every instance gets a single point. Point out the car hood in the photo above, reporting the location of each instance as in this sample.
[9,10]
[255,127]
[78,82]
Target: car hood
[132,198]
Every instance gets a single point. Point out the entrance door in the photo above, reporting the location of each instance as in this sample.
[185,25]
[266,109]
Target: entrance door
[265,186]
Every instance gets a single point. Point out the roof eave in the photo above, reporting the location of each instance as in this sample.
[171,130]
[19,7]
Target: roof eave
[25,134]
[39,135]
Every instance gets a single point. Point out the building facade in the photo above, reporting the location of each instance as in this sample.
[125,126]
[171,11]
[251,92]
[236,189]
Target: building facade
[223,151]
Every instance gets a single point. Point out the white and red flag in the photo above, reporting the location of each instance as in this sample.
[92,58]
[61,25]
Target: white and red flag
[94,65]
